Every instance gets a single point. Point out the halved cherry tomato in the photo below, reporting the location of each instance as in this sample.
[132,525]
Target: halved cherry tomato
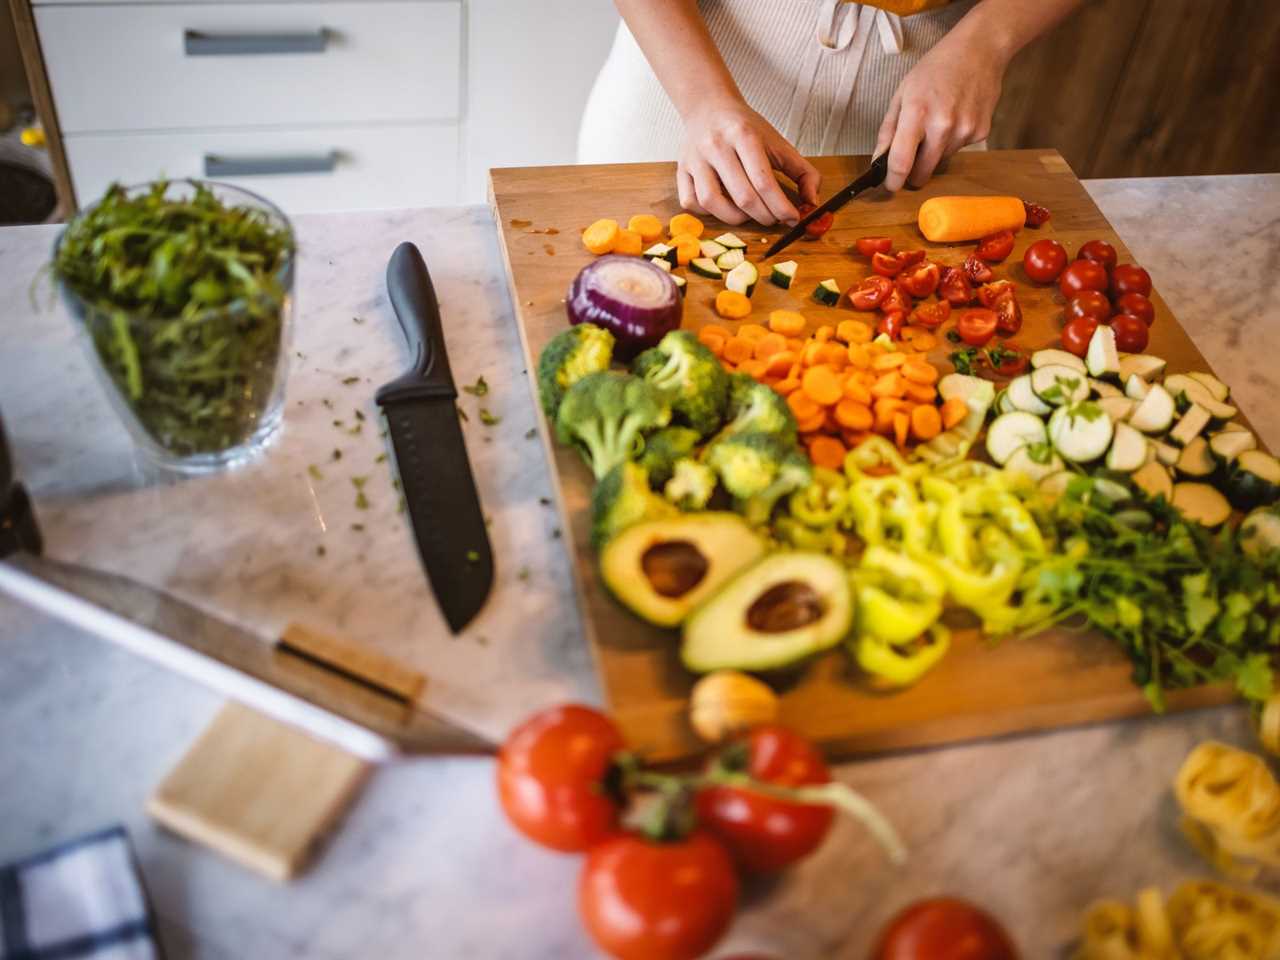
[995,247]
[932,315]
[551,774]
[869,245]
[977,326]
[1088,303]
[1008,314]
[1099,251]
[886,265]
[891,323]
[921,279]
[1129,278]
[1013,361]
[1138,305]
[641,899]
[820,226]
[1045,260]
[897,299]
[1037,216]
[763,834]
[1077,334]
[954,286]
[1083,275]
[989,293]
[976,270]
[944,929]
[910,257]
[870,293]
[1132,333]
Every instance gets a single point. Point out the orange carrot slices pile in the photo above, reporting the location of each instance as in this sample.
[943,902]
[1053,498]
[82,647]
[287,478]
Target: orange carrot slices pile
[841,386]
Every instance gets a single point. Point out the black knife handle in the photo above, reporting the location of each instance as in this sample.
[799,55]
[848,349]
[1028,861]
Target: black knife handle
[414,300]
[18,529]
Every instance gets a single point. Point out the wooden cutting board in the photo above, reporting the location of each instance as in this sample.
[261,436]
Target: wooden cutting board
[1056,679]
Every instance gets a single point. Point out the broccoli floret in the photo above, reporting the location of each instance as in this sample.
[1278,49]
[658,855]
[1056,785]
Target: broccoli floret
[758,469]
[605,415]
[691,485]
[570,356]
[623,498]
[664,448]
[690,376]
[756,408]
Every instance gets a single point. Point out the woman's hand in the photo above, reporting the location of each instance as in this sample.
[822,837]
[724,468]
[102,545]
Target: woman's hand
[727,163]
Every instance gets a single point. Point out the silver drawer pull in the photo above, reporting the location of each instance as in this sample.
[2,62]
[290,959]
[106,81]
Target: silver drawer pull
[198,44]
[220,166]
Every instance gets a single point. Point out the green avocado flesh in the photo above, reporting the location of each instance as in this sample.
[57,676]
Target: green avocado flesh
[661,569]
[774,614]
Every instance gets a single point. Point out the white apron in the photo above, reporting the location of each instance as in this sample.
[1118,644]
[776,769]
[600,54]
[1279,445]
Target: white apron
[821,71]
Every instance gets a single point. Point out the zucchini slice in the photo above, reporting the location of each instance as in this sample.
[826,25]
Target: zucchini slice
[1034,460]
[1128,449]
[1197,393]
[710,249]
[1103,389]
[827,292]
[730,259]
[1056,358]
[1155,413]
[1003,404]
[705,267]
[1154,481]
[783,274]
[1143,364]
[1059,386]
[1012,431]
[1102,360]
[1217,389]
[1259,534]
[1254,480]
[662,251]
[742,278]
[680,282]
[1201,503]
[1023,397]
[1195,459]
[1135,388]
[961,385]
[1166,453]
[1190,426]
[731,241]
[1118,408]
[661,262]
[1226,445]
[1080,433]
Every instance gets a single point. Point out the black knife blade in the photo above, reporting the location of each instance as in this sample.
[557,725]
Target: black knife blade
[873,177]
[430,454]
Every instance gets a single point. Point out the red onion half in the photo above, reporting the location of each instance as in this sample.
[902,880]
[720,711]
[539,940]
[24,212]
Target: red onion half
[631,298]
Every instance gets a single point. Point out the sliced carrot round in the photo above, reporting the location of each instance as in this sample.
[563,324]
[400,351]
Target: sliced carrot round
[780,364]
[953,412]
[687,247]
[786,386]
[599,237]
[853,415]
[629,243]
[732,305]
[755,368]
[918,370]
[752,332]
[824,333]
[822,385]
[859,357]
[647,225]
[787,322]
[737,350]
[855,389]
[811,424]
[921,392]
[770,344]
[926,422]
[713,342]
[802,405]
[834,355]
[888,361]
[685,223]
[827,452]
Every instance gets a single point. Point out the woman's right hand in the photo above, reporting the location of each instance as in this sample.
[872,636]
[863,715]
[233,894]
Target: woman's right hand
[726,166]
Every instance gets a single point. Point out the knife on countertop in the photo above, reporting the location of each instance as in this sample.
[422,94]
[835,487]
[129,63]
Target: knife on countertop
[430,453]
[873,177]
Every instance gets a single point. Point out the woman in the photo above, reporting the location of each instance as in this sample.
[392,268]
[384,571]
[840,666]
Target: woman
[752,86]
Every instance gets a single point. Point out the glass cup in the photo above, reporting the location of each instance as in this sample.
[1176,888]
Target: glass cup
[204,390]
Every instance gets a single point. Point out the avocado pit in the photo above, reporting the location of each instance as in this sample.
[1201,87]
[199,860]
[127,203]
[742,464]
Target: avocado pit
[674,567]
[785,606]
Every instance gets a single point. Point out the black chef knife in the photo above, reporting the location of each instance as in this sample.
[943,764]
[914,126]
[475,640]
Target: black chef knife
[431,457]
[872,178]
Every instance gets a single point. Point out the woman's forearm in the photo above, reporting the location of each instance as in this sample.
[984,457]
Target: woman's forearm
[680,51]
[1003,27]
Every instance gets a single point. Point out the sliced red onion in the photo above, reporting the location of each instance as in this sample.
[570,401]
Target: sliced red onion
[634,300]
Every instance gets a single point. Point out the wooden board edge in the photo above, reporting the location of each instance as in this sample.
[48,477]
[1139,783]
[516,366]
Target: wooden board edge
[28,36]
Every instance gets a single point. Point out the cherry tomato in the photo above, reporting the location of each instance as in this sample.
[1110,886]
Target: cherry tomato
[996,247]
[944,929]
[1013,361]
[954,287]
[551,773]
[910,257]
[762,834]
[820,226]
[1083,275]
[1077,334]
[869,245]
[976,327]
[1138,305]
[976,270]
[1099,251]
[896,299]
[1008,314]
[921,279]
[932,315]
[644,900]
[891,323]
[1128,278]
[989,293]
[870,293]
[886,265]
[1088,303]
[1132,333]
[1037,216]
[1045,260]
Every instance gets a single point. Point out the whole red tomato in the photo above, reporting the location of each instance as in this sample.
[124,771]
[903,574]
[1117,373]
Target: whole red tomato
[944,929]
[885,264]
[646,900]
[819,226]
[954,287]
[995,247]
[976,327]
[891,323]
[1099,251]
[869,245]
[909,258]
[1132,334]
[870,293]
[921,279]
[896,299]
[1044,260]
[551,773]
[1008,314]
[976,270]
[1077,334]
[763,834]
[1138,305]
[932,315]
[1083,275]
[1128,278]
[1088,303]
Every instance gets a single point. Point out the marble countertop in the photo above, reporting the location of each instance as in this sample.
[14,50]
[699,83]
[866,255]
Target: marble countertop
[1035,826]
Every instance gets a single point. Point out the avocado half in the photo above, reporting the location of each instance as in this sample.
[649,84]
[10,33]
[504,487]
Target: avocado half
[661,569]
[775,613]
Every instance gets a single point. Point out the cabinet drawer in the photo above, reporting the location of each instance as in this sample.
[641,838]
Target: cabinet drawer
[184,66]
[371,167]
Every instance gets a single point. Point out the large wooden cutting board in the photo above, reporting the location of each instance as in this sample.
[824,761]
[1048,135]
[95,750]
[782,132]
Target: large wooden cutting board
[1056,679]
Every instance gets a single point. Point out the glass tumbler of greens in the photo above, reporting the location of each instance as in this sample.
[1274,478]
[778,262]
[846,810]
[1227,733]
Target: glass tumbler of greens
[184,290]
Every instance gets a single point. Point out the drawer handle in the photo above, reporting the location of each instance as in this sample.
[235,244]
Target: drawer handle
[220,166]
[198,44]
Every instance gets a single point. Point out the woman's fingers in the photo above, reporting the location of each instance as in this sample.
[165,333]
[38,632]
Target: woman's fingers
[907,135]
[759,169]
[885,137]
[803,173]
[710,193]
[937,143]
[738,184]
[685,188]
